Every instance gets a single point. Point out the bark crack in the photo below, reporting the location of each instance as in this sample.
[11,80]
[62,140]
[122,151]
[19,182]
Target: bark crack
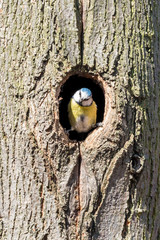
[80,24]
[42,197]
[82,31]
[127,212]
[78,197]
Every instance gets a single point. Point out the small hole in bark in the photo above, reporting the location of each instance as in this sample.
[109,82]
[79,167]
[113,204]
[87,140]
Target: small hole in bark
[67,90]
[137,163]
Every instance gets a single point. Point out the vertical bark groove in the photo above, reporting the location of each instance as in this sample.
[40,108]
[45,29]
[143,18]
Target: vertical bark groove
[82,31]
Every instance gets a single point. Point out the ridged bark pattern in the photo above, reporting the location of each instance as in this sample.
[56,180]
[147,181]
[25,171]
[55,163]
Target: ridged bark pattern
[108,186]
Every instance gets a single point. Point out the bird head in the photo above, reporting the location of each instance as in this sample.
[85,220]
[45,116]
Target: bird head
[83,97]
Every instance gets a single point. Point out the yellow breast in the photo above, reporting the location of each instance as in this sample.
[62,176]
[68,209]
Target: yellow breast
[81,118]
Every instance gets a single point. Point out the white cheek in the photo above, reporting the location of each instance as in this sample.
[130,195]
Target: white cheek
[76,96]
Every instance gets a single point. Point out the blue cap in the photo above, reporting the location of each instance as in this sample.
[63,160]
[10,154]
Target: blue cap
[87,91]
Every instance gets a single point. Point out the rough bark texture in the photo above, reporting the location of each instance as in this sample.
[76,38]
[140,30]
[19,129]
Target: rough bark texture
[108,186]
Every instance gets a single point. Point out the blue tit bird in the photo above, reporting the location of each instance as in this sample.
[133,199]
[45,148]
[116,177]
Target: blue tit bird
[82,111]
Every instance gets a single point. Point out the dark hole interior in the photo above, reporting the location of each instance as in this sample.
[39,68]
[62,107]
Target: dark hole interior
[67,90]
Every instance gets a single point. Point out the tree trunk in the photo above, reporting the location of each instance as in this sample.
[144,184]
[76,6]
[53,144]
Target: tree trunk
[106,186]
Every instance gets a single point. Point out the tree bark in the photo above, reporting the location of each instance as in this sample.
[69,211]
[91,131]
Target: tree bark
[107,186]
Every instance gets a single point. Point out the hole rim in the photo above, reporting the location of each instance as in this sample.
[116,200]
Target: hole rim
[96,80]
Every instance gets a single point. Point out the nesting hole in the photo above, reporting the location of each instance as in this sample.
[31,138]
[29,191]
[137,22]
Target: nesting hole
[71,85]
